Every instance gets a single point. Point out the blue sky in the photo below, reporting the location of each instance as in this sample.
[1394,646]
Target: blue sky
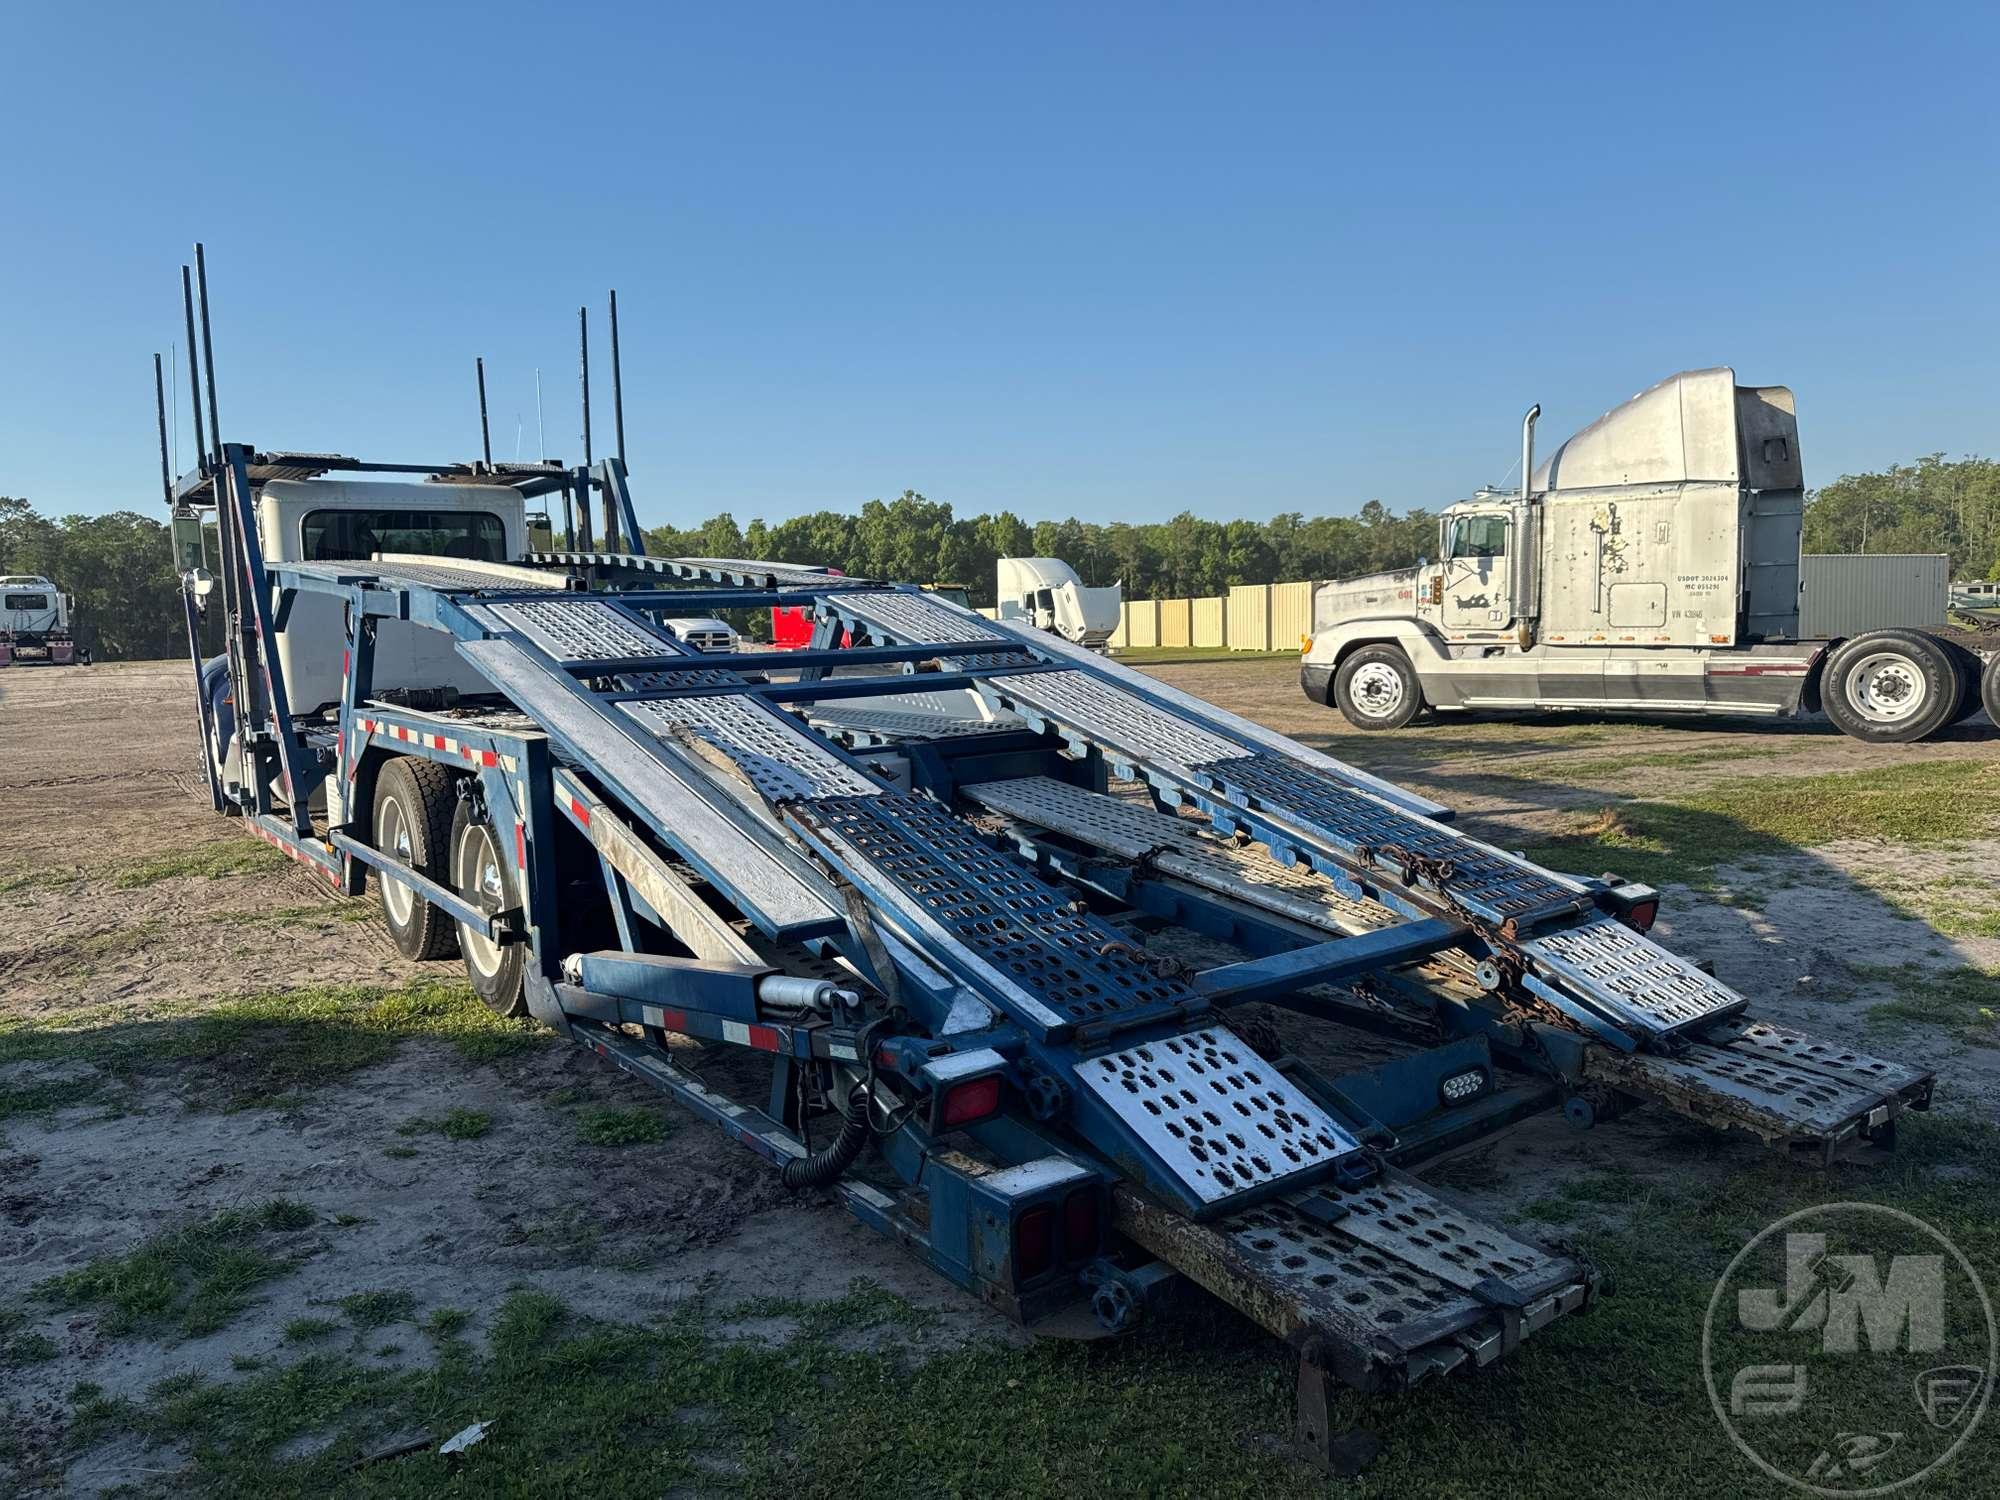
[1106,260]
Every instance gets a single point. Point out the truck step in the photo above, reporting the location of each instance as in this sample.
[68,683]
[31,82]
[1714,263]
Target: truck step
[1383,1285]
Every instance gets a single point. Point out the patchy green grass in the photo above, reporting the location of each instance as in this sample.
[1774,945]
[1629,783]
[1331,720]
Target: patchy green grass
[379,1309]
[309,1330]
[314,915]
[194,1279]
[1686,839]
[621,1127]
[28,1349]
[269,1046]
[1609,1403]
[1963,1001]
[222,858]
[454,1125]
[1598,767]
[77,958]
[447,1322]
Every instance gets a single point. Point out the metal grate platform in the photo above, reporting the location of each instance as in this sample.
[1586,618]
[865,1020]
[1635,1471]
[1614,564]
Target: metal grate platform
[583,629]
[1340,1264]
[1221,1118]
[443,574]
[876,726]
[1616,967]
[1482,879]
[1104,714]
[1176,846]
[995,904]
[781,760]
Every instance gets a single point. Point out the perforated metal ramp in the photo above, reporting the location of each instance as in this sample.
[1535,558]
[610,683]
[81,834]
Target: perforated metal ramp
[446,575]
[1397,1283]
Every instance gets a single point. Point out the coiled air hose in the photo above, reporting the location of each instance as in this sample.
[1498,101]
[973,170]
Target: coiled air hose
[827,1163]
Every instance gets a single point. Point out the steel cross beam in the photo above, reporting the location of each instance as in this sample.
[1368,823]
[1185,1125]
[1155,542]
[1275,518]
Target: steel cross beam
[1329,962]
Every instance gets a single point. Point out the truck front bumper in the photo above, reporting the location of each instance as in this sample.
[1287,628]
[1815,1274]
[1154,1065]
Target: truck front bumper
[1317,681]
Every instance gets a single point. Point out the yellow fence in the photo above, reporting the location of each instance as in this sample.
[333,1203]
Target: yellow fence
[1250,617]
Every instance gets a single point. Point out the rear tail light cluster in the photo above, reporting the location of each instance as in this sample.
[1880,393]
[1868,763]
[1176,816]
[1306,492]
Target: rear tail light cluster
[1641,915]
[1036,1232]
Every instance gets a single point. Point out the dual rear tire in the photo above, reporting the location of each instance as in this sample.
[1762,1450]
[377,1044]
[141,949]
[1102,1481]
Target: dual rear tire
[421,820]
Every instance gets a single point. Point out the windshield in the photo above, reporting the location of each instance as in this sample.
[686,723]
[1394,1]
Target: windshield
[1477,536]
[476,535]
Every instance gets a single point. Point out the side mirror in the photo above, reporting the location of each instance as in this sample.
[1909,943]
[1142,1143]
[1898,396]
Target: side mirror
[1423,562]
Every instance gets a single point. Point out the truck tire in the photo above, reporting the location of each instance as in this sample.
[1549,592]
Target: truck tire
[1891,687]
[1969,665]
[479,873]
[1377,688]
[413,807]
[1989,688]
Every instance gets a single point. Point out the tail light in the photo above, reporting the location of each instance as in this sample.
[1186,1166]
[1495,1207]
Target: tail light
[1641,915]
[974,1099]
[1034,1243]
[1080,1224]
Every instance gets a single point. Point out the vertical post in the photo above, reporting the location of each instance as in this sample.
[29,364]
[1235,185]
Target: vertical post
[617,380]
[194,372]
[160,403]
[485,434]
[583,361]
[569,522]
[208,352]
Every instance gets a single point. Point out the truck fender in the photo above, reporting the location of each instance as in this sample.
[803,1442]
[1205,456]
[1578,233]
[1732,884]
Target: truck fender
[1333,645]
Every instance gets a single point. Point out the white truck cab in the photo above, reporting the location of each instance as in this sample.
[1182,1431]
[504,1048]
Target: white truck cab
[328,520]
[1046,592]
[1651,564]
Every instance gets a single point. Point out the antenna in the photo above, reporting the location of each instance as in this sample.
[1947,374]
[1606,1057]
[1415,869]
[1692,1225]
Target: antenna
[194,371]
[583,346]
[617,381]
[485,434]
[160,402]
[208,351]
[541,432]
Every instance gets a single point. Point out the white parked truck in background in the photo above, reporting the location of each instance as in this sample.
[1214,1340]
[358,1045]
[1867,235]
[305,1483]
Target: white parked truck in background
[1046,592]
[1651,565]
[35,623]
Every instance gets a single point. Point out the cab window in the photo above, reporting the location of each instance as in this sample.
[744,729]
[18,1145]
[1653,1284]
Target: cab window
[1477,536]
[350,534]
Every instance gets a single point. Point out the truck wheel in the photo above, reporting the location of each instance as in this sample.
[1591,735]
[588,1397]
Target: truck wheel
[1890,687]
[1968,663]
[1989,688]
[1377,688]
[413,805]
[497,970]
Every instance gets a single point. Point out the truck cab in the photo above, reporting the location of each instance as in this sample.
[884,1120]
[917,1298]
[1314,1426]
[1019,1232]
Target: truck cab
[1046,592]
[34,622]
[1651,565]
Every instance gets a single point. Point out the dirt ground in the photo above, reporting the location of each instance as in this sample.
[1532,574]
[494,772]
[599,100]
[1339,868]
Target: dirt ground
[129,904]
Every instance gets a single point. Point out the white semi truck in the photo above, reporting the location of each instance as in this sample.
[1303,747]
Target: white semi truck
[1650,565]
[35,622]
[1046,592]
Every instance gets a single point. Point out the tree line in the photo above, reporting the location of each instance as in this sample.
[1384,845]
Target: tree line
[913,539]
[120,566]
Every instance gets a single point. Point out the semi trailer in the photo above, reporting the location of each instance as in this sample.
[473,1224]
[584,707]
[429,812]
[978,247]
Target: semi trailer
[1082,990]
[1651,565]
[35,623]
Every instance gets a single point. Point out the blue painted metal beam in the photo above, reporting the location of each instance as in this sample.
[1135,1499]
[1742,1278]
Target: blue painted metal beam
[1329,962]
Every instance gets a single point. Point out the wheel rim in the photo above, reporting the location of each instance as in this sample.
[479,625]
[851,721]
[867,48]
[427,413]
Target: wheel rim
[394,838]
[1887,688]
[476,873]
[1377,689]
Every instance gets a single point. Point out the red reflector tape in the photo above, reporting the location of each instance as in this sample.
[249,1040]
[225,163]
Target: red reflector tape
[764,1038]
[521,845]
